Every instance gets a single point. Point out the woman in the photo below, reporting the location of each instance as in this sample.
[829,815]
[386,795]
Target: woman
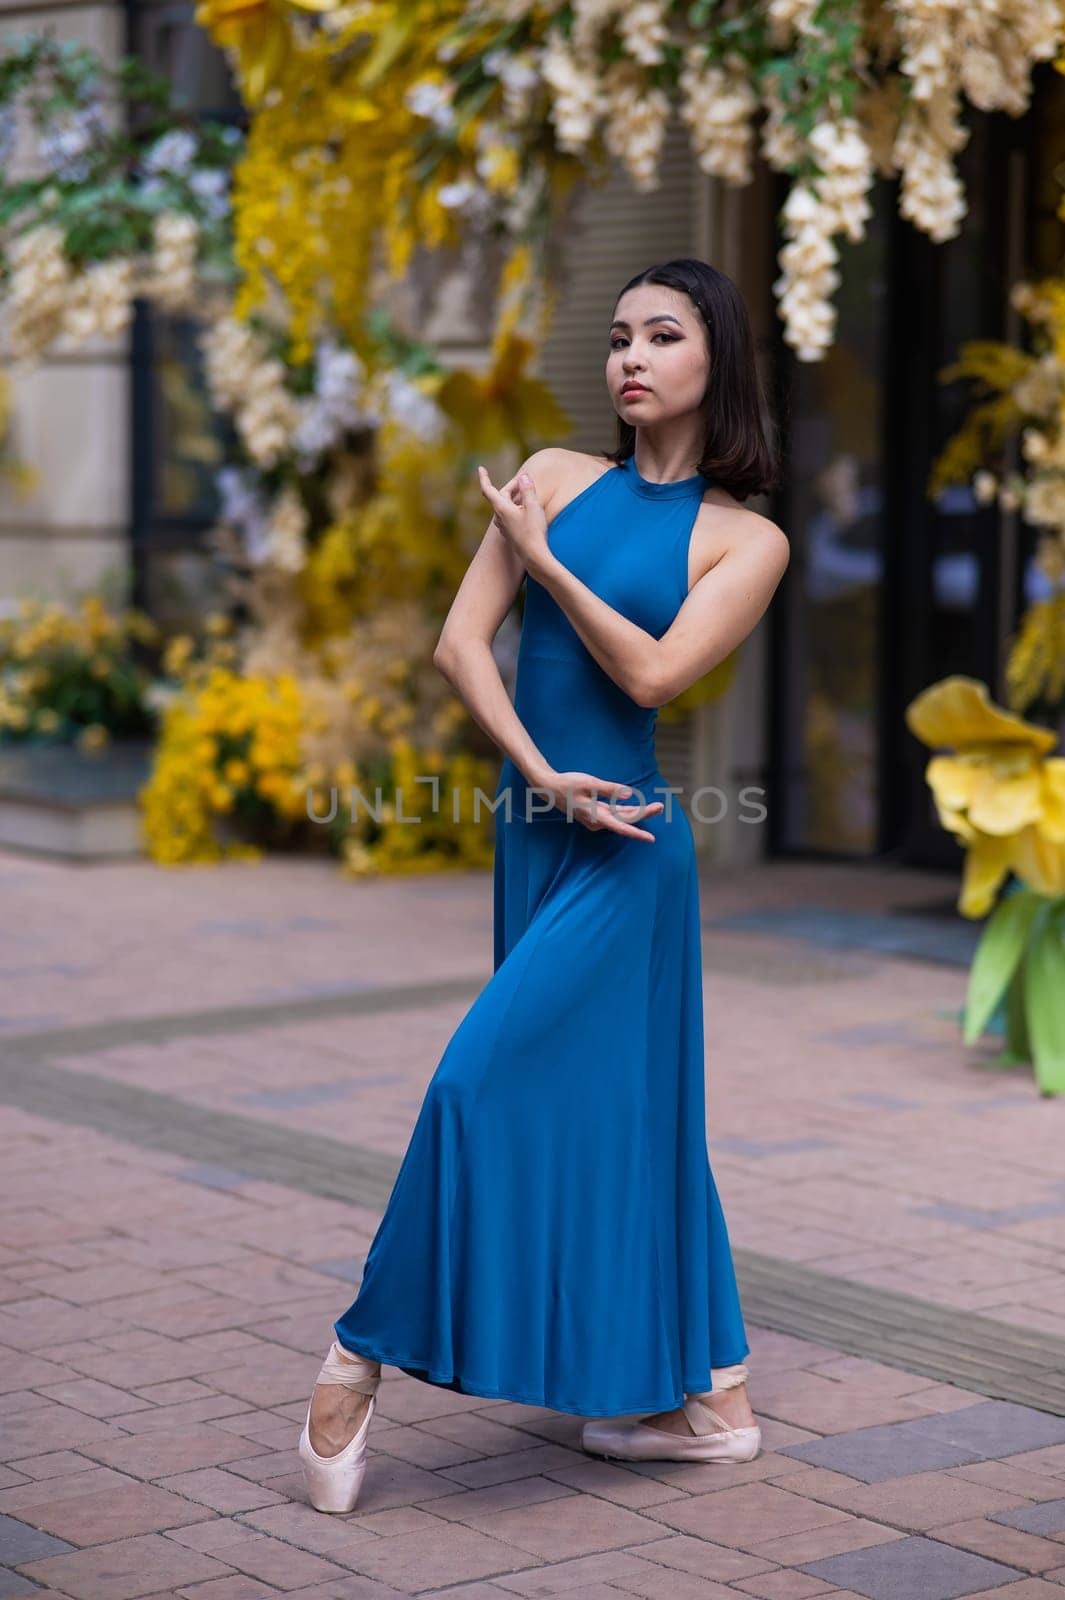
[554,1235]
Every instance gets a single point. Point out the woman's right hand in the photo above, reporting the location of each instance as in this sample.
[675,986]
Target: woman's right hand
[588,800]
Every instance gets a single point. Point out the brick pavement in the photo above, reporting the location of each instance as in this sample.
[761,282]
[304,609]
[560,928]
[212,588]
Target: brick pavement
[163,1308]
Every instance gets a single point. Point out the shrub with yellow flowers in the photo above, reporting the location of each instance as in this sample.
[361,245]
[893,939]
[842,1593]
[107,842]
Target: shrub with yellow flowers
[1002,795]
[75,674]
[268,744]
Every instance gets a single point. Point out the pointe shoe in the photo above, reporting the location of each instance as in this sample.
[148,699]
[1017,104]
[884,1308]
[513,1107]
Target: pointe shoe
[635,1441]
[333,1482]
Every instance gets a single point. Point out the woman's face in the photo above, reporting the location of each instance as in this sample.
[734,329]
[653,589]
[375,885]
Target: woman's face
[657,341]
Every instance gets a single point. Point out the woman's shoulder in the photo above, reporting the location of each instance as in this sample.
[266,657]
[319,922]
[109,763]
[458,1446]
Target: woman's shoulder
[723,522]
[559,473]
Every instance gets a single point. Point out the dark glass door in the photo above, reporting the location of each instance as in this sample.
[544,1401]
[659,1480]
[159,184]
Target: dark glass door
[888,591]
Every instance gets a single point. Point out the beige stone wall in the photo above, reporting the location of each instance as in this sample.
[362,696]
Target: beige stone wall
[70,420]
[732,739]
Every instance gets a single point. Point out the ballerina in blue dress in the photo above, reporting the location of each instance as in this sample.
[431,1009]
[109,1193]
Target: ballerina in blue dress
[554,1234]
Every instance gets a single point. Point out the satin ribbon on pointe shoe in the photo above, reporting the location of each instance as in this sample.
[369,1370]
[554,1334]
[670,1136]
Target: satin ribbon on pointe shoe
[636,1441]
[349,1369]
[695,1406]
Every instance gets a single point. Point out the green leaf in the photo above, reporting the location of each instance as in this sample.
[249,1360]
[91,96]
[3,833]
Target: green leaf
[1018,1045]
[1044,1004]
[997,956]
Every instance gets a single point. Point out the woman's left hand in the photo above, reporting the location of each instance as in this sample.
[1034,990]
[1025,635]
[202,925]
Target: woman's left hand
[518,515]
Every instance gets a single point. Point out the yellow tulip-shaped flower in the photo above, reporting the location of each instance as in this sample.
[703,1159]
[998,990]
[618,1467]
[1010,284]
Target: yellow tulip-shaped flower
[494,408]
[998,794]
[258,33]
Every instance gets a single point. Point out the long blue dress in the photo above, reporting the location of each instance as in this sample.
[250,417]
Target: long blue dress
[554,1234]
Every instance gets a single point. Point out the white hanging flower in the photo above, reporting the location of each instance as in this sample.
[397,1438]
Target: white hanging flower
[334,408]
[985,486]
[101,301]
[809,273]
[782,144]
[410,406]
[40,286]
[846,174]
[287,532]
[637,119]
[1039,393]
[519,78]
[243,506]
[719,105]
[69,139]
[432,99]
[245,380]
[643,29]
[175,251]
[522,204]
[1044,500]
[931,193]
[1034,444]
[472,200]
[590,18]
[210,185]
[173,153]
[577,101]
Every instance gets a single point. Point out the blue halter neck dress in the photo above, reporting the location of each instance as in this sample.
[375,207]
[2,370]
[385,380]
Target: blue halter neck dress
[554,1234]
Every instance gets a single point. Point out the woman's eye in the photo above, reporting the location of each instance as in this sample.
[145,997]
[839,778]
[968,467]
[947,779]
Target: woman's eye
[668,337]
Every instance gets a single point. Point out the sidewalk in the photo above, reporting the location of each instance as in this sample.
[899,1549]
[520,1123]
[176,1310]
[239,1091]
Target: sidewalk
[207,1079]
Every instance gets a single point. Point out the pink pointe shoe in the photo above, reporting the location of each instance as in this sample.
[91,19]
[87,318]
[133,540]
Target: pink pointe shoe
[635,1441]
[333,1482]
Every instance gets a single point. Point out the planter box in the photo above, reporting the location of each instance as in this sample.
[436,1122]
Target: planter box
[58,800]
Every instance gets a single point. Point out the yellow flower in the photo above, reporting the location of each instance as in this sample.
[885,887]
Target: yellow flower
[999,794]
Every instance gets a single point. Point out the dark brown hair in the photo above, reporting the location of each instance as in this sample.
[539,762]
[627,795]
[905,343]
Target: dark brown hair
[737,453]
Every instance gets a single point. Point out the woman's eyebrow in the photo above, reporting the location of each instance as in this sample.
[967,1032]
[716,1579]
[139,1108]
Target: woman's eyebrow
[663,316]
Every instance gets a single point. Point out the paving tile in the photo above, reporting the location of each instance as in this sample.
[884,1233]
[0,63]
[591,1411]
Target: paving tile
[103,1515]
[914,1568]
[301,1525]
[1026,1589]
[1027,1551]
[222,1491]
[564,1577]
[14,1587]
[809,1544]
[656,1583]
[19,1542]
[785,1584]
[124,1570]
[451,1554]
[681,1552]
[52,1427]
[273,1561]
[167,1451]
[1027,1482]
[1047,1518]
[995,1428]
[236,1588]
[95,1398]
[916,1502]
[747,1516]
[889,1450]
[610,1482]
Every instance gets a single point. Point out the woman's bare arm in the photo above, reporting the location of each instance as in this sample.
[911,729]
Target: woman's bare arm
[463,652]
[718,614]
